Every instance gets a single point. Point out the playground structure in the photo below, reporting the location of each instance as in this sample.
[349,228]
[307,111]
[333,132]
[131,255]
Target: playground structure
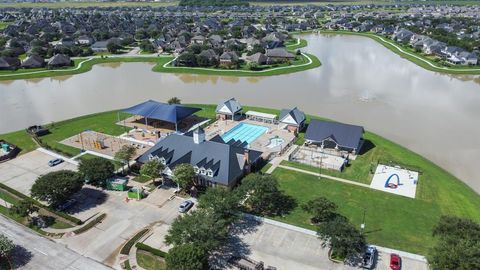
[103,144]
[7,151]
[395,180]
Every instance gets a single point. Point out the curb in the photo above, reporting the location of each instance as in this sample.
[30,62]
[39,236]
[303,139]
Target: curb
[314,233]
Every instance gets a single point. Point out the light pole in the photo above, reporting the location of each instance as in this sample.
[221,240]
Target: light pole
[362,226]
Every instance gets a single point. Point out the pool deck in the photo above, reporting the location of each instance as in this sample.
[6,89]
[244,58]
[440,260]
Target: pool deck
[220,127]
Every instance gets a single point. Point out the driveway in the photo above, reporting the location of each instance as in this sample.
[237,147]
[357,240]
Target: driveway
[21,172]
[36,252]
[123,221]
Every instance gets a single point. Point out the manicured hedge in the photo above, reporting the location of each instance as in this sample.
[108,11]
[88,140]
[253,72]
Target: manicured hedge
[53,211]
[126,248]
[91,224]
[154,251]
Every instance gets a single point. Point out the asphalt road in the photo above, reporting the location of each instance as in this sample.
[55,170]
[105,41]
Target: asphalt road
[36,252]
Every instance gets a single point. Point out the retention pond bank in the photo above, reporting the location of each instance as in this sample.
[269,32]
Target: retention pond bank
[360,81]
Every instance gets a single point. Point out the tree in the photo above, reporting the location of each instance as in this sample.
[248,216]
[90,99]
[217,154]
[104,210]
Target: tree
[125,154]
[57,187]
[342,237]
[183,175]
[96,171]
[187,257]
[23,208]
[152,169]
[321,208]
[458,245]
[200,228]
[113,47]
[262,195]
[6,246]
[187,59]
[223,204]
[174,100]
[147,46]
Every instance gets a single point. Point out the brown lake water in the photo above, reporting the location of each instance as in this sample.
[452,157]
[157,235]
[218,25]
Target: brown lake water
[360,82]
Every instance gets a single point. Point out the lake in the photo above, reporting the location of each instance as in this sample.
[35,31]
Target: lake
[360,82]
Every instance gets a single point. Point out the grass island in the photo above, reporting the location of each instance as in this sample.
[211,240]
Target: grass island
[162,62]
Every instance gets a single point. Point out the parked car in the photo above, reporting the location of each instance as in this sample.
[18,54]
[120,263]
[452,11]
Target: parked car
[66,205]
[55,162]
[185,206]
[395,262]
[369,257]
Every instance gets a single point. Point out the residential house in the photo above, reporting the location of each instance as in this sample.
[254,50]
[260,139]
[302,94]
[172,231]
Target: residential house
[33,61]
[84,40]
[198,40]
[228,58]
[9,63]
[60,60]
[278,55]
[258,58]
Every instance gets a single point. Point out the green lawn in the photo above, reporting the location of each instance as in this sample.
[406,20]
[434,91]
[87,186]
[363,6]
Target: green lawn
[399,222]
[141,179]
[150,262]
[396,221]
[376,150]
[100,122]
[244,71]
[86,66]
[3,25]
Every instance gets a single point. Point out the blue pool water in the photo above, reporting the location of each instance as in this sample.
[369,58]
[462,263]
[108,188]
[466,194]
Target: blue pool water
[244,132]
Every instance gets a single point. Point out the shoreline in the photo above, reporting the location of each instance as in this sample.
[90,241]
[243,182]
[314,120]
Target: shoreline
[162,62]
[405,53]
[438,191]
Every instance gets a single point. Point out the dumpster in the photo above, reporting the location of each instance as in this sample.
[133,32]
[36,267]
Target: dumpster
[117,184]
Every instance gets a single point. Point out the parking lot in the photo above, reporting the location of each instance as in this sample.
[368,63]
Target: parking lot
[124,219]
[289,249]
[21,172]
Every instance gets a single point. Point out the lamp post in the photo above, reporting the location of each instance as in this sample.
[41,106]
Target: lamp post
[362,226]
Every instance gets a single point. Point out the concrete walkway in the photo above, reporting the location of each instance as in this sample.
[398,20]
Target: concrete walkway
[325,176]
[5,203]
[277,160]
[55,155]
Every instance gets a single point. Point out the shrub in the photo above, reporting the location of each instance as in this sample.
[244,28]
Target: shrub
[129,244]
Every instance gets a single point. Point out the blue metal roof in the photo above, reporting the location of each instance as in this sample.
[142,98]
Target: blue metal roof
[161,111]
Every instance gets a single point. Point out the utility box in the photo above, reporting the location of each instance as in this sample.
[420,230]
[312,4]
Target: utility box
[117,184]
[136,193]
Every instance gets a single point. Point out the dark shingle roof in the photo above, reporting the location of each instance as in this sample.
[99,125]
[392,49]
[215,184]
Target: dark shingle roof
[344,135]
[295,113]
[232,105]
[225,160]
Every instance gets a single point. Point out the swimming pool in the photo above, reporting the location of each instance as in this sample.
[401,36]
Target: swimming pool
[244,132]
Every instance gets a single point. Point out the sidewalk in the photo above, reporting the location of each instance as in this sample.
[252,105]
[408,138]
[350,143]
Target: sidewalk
[325,176]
